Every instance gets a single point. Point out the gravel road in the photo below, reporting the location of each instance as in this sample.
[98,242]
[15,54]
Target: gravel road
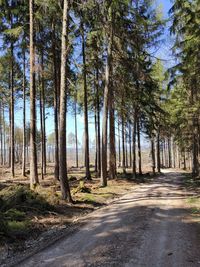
[151,226]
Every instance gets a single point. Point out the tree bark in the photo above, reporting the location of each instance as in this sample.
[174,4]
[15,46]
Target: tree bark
[24,117]
[42,136]
[158,151]
[95,124]
[4,138]
[43,116]
[1,133]
[130,148]
[169,152]
[123,147]
[86,130]
[106,102]
[126,147]
[119,143]
[33,150]
[98,125]
[184,161]
[134,145]
[75,121]
[12,112]
[112,161]
[153,156]
[64,184]
[55,103]
[139,147]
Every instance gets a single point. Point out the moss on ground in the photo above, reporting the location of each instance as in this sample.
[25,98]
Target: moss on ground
[15,203]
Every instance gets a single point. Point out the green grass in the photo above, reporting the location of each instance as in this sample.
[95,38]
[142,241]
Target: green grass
[191,182]
[196,211]
[195,205]
[88,198]
[16,202]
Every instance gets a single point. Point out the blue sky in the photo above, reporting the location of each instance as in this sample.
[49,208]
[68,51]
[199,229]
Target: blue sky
[163,52]
[166,6]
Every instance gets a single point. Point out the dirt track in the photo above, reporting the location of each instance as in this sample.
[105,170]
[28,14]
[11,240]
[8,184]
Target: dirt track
[151,226]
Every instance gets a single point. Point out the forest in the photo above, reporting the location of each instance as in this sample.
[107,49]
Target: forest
[101,61]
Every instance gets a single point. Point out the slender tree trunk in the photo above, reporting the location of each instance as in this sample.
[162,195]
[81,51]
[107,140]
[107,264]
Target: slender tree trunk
[174,152]
[4,138]
[1,133]
[9,145]
[24,117]
[12,117]
[165,154]
[123,147]
[33,151]
[95,124]
[56,88]
[43,117]
[106,104]
[134,145]
[139,147]
[184,161]
[112,161]
[86,130]
[130,148]
[126,148]
[76,134]
[98,126]
[169,152]
[42,136]
[119,143]
[195,168]
[153,156]
[64,184]
[158,151]
[179,158]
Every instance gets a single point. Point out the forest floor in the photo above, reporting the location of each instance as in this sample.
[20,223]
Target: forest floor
[30,220]
[156,224]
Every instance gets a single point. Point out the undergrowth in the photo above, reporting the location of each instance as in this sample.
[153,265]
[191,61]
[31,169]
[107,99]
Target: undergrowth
[16,202]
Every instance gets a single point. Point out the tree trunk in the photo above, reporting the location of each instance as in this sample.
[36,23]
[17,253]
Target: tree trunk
[123,148]
[184,161]
[12,112]
[1,133]
[64,184]
[4,138]
[169,152]
[126,147]
[24,117]
[174,153]
[42,136]
[158,151]
[43,117]
[98,126]
[33,150]
[139,147]
[55,103]
[112,161]
[195,167]
[153,156]
[134,145]
[95,125]
[76,134]
[119,143]
[86,130]
[130,148]
[106,103]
